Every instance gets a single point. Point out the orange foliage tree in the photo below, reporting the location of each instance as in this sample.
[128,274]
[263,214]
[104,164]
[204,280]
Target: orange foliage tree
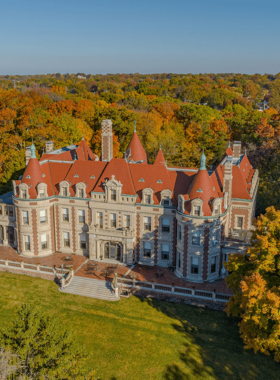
[255,280]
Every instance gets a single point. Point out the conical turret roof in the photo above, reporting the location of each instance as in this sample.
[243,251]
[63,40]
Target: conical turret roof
[33,174]
[135,150]
[160,160]
[203,187]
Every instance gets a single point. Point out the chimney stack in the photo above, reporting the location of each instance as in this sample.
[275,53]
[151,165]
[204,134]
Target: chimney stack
[237,149]
[49,146]
[107,140]
[27,155]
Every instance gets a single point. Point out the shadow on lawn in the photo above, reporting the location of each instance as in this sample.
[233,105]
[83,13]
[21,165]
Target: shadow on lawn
[213,348]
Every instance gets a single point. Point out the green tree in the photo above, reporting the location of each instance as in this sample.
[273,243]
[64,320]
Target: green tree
[45,348]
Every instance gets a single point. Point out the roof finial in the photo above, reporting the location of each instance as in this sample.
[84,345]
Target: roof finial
[33,150]
[159,146]
[83,137]
[245,152]
[229,144]
[134,126]
[202,161]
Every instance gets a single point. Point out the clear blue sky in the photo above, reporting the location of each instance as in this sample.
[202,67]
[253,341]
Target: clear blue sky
[145,36]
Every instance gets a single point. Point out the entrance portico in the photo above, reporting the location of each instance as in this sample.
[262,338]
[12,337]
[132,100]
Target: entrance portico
[111,245]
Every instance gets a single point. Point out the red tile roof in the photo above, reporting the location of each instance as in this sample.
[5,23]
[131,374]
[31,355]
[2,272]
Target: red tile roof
[160,160]
[137,152]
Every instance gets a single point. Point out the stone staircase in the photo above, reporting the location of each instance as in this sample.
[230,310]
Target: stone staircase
[89,287]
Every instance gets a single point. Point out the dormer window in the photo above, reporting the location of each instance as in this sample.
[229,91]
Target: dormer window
[41,193]
[24,194]
[148,199]
[217,210]
[197,210]
[64,191]
[165,201]
[113,195]
[81,193]
[180,205]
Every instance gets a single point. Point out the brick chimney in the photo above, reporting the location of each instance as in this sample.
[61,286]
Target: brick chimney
[107,140]
[237,149]
[49,146]
[227,185]
[27,155]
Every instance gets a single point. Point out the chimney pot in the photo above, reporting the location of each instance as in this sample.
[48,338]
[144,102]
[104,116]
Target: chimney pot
[237,149]
[49,146]
[107,140]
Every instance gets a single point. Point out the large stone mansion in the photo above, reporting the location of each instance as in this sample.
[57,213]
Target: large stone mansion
[127,209]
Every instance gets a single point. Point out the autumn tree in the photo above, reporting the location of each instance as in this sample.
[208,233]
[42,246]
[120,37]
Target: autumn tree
[255,280]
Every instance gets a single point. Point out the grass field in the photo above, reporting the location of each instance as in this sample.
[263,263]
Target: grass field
[139,339]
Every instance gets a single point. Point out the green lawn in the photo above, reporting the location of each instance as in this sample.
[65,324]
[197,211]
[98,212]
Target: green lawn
[139,339]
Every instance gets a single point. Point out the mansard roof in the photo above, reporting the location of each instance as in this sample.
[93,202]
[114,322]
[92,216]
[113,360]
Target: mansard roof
[76,164]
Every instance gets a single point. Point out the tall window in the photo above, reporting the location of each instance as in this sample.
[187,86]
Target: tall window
[64,191]
[24,194]
[197,210]
[43,216]
[0,210]
[81,193]
[179,232]
[25,217]
[240,222]
[66,239]
[165,225]
[127,220]
[44,241]
[27,243]
[165,201]
[165,252]
[41,193]
[65,214]
[214,238]
[147,250]
[113,195]
[6,210]
[179,259]
[100,219]
[147,223]
[180,205]
[213,264]
[217,210]
[83,242]
[196,237]
[113,218]
[11,211]
[82,216]
[194,266]
[148,199]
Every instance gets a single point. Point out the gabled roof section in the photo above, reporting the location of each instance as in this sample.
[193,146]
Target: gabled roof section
[87,151]
[88,172]
[135,150]
[119,168]
[160,160]
[151,175]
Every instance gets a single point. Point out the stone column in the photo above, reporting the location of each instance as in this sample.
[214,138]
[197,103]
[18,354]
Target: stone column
[98,250]
[92,246]
[5,240]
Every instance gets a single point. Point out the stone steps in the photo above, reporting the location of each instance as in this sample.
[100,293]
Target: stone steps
[89,287]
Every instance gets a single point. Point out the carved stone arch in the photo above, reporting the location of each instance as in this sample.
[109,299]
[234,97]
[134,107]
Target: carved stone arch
[42,190]
[113,190]
[199,203]
[62,185]
[148,196]
[23,187]
[165,196]
[80,186]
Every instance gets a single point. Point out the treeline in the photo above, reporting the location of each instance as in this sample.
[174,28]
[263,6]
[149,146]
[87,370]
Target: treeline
[183,114]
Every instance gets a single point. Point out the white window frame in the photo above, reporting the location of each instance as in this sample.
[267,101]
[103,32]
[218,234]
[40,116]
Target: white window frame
[146,222]
[66,239]
[165,252]
[82,214]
